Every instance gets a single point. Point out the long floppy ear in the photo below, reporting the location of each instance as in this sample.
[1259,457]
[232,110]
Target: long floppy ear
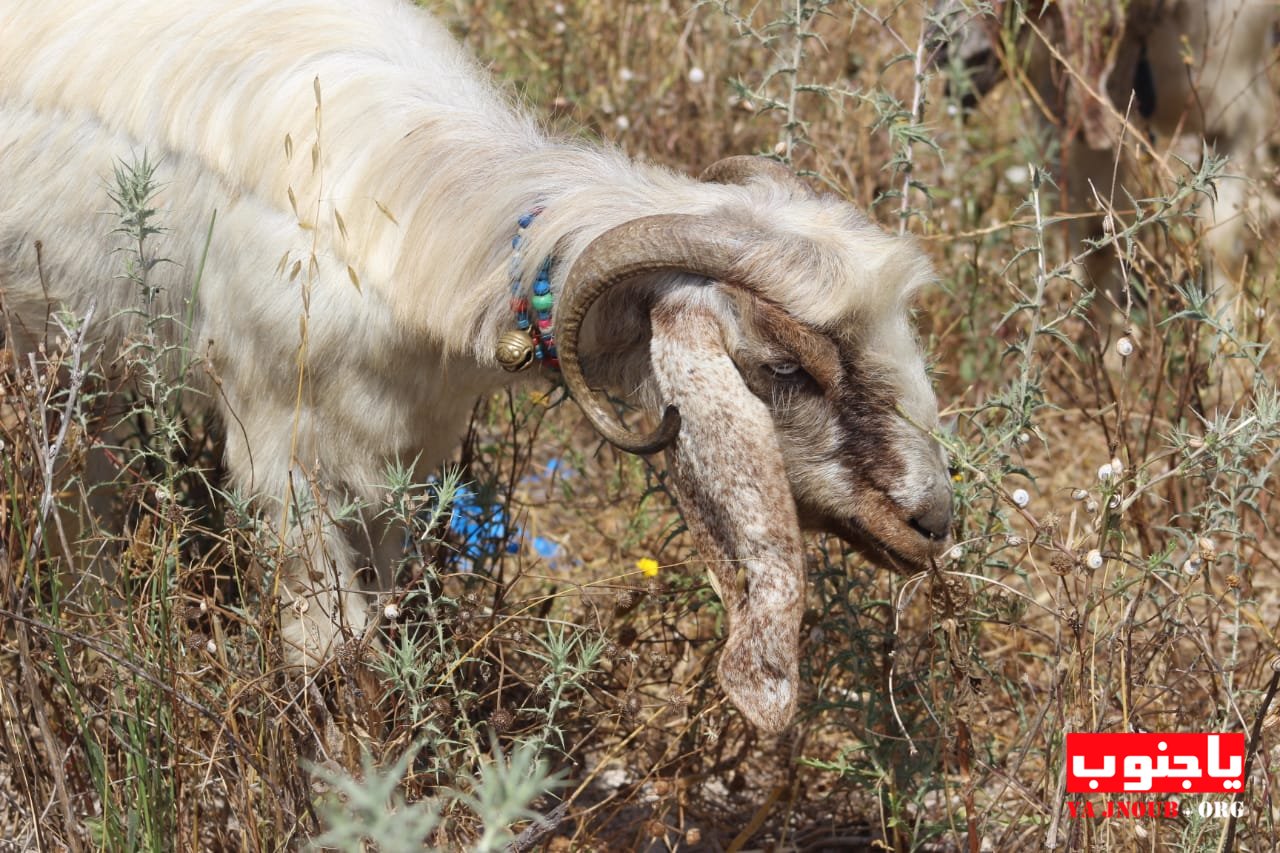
[727,471]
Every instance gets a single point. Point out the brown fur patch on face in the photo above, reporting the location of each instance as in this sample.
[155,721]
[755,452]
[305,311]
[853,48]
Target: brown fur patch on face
[866,406]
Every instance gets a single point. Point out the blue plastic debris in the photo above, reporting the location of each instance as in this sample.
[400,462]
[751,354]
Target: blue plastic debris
[545,548]
[485,530]
[482,528]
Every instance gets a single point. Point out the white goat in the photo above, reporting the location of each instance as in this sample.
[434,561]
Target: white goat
[771,324]
[1173,67]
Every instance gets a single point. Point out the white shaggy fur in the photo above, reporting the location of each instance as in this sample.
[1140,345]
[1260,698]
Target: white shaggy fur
[368,111]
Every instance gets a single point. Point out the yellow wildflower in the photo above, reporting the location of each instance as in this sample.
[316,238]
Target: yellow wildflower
[648,567]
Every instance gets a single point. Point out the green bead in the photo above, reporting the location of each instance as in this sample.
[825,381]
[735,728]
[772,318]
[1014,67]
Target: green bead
[542,302]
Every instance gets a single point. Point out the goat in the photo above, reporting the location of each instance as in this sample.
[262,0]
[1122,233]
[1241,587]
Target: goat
[769,325]
[1172,67]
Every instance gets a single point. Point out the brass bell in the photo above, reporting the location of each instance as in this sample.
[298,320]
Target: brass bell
[515,350]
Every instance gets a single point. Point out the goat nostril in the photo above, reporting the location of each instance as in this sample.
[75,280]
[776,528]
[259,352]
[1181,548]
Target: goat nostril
[934,524]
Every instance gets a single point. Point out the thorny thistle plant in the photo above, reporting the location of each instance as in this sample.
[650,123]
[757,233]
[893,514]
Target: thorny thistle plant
[371,808]
[133,195]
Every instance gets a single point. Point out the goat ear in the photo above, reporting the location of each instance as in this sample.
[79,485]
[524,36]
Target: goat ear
[727,472]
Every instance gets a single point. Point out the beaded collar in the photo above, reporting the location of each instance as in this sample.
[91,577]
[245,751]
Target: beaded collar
[533,338]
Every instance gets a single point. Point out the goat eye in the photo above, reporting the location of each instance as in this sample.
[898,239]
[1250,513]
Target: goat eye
[784,370]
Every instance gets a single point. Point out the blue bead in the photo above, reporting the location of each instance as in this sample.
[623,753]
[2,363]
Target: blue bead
[542,287]
[526,219]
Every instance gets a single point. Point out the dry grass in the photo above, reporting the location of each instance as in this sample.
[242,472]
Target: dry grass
[144,705]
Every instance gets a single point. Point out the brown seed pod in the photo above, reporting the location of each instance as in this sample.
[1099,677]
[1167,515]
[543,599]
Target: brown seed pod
[1062,562]
[351,652]
[502,720]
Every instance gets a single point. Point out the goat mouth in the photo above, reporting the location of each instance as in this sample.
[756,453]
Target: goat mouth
[885,553]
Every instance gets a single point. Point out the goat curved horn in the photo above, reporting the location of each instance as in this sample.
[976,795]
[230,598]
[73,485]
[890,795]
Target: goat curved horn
[744,167]
[667,242]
